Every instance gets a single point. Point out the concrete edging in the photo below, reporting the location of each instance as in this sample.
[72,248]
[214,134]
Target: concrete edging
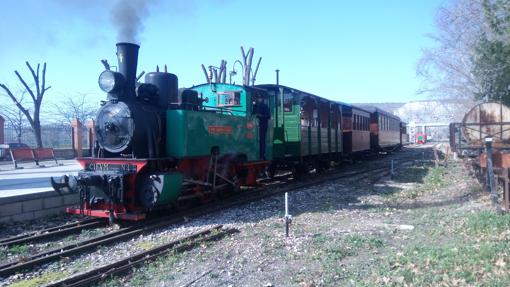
[35,205]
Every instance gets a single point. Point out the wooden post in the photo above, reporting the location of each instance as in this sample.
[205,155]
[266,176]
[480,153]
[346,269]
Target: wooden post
[2,135]
[506,191]
[91,136]
[77,133]
[436,157]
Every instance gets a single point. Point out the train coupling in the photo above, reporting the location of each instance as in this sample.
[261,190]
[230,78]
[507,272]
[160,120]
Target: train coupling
[64,184]
[71,184]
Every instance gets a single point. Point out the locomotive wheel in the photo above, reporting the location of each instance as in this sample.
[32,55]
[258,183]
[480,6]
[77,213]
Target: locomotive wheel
[319,166]
[299,170]
[184,204]
[271,170]
[241,172]
[204,196]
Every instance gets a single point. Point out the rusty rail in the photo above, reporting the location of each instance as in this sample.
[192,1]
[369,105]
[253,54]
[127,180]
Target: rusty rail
[130,232]
[60,230]
[127,264]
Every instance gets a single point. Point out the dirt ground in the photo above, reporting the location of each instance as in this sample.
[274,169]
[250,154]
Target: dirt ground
[426,226]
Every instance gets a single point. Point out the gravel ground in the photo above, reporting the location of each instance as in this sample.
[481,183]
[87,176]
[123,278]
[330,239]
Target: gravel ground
[340,230]
[19,252]
[333,223]
[14,253]
[18,228]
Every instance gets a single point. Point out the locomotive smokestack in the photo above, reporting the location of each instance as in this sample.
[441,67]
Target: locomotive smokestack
[127,55]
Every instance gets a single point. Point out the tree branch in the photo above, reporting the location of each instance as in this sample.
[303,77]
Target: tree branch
[44,89]
[35,76]
[17,103]
[25,85]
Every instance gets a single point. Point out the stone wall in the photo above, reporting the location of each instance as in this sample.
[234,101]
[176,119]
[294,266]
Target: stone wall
[35,205]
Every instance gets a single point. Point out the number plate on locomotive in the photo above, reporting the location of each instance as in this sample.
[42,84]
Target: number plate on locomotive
[93,166]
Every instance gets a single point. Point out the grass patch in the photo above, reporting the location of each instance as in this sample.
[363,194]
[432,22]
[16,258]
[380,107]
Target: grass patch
[155,271]
[459,248]
[435,178]
[3,253]
[411,174]
[145,245]
[13,250]
[335,249]
[357,241]
[435,265]
[486,223]
[427,177]
[18,249]
[41,280]
[474,252]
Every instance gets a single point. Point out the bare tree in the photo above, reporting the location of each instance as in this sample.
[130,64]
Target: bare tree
[447,69]
[36,97]
[15,120]
[74,107]
[219,74]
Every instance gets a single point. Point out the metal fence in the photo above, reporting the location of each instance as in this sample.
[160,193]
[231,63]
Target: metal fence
[57,136]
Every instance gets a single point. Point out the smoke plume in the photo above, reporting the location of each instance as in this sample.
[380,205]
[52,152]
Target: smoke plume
[128,16]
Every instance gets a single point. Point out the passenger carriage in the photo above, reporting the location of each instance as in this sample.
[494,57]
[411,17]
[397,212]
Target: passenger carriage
[385,130]
[355,128]
[404,135]
[307,128]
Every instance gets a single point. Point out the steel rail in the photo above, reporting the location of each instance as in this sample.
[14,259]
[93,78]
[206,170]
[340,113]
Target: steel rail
[64,229]
[127,264]
[129,232]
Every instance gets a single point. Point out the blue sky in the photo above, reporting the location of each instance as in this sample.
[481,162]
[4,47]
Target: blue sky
[352,51]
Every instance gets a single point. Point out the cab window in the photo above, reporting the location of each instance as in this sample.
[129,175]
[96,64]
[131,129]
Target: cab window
[228,99]
[287,102]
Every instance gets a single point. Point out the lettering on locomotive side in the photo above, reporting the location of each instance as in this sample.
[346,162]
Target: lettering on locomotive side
[126,167]
[220,130]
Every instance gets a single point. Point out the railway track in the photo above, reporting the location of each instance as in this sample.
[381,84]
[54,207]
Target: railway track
[127,264]
[148,226]
[65,229]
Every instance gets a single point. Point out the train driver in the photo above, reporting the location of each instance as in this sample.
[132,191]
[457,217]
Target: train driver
[262,112]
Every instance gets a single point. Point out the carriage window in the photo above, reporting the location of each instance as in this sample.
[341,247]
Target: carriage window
[287,102]
[228,99]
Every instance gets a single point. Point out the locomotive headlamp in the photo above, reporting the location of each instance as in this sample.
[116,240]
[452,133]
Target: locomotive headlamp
[111,82]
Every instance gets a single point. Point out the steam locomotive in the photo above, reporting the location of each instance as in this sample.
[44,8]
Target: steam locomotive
[162,147]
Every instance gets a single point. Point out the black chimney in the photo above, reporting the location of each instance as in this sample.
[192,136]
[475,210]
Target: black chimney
[127,55]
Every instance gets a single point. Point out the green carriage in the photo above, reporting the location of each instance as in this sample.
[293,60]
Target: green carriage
[307,128]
